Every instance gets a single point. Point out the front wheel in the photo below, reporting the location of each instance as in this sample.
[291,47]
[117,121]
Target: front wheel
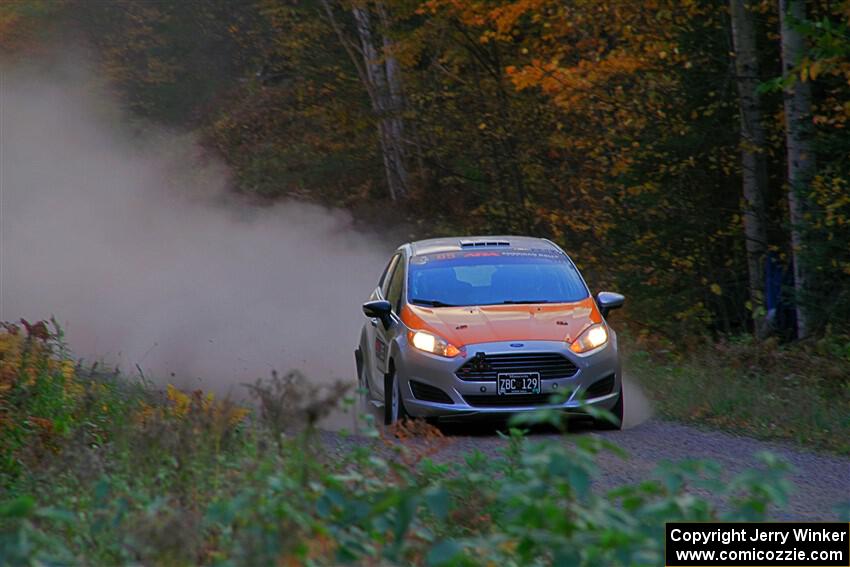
[393,404]
[617,410]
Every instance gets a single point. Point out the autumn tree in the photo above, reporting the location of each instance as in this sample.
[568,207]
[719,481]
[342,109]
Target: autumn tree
[636,134]
[641,142]
[25,27]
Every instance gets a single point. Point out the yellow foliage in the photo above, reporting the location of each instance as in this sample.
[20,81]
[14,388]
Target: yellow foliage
[180,401]
[28,355]
[10,358]
[182,405]
[24,355]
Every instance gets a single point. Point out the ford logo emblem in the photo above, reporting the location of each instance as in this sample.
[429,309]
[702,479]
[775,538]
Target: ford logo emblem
[517,345]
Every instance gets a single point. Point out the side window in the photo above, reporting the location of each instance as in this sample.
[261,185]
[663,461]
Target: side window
[396,286]
[384,282]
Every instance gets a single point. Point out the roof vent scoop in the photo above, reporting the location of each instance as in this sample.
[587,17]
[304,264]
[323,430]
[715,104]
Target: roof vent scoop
[483,243]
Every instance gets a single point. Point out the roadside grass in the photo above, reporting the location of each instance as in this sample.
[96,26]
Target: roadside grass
[798,393]
[98,469]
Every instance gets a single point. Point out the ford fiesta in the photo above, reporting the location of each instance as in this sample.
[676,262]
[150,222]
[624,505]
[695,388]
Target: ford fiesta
[487,326]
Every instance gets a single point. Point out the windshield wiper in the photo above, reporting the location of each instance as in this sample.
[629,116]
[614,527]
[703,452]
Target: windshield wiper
[524,301]
[431,303]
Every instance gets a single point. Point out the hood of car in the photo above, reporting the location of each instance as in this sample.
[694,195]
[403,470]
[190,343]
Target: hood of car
[463,326]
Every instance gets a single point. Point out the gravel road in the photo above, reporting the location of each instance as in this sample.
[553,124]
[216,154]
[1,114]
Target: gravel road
[821,481]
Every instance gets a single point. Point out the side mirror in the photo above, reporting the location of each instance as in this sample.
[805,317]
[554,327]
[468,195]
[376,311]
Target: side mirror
[607,300]
[379,309]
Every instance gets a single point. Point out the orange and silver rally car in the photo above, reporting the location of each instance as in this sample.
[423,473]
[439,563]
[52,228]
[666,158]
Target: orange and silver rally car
[460,328]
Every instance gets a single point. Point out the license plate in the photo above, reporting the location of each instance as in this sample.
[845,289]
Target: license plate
[525,383]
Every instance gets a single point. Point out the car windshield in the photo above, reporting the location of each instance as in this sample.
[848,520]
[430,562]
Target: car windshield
[493,278]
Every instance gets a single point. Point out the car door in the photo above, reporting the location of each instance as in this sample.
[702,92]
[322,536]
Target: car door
[375,338]
[384,336]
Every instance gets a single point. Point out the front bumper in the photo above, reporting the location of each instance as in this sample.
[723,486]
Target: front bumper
[439,372]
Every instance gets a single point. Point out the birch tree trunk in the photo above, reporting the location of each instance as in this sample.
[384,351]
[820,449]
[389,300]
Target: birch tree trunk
[397,106]
[798,141]
[753,161]
[380,74]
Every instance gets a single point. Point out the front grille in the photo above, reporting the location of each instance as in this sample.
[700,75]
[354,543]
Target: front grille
[550,365]
[493,400]
[601,387]
[428,393]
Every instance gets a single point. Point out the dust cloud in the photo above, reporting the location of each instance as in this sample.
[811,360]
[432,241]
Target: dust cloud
[636,406]
[130,237]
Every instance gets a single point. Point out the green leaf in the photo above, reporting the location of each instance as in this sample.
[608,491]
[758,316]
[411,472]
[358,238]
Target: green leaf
[57,515]
[437,499]
[20,507]
[444,553]
[405,513]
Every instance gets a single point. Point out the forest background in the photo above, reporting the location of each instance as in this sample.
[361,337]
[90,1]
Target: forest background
[691,154]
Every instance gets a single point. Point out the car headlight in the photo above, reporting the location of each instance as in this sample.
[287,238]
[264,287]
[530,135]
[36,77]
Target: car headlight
[593,337]
[432,343]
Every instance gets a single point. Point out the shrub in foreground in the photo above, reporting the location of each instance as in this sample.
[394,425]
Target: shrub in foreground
[137,476]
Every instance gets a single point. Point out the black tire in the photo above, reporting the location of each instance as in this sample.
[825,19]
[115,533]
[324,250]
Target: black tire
[392,394]
[617,410]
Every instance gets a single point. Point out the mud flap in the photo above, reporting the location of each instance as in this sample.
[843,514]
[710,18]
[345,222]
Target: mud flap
[358,360]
